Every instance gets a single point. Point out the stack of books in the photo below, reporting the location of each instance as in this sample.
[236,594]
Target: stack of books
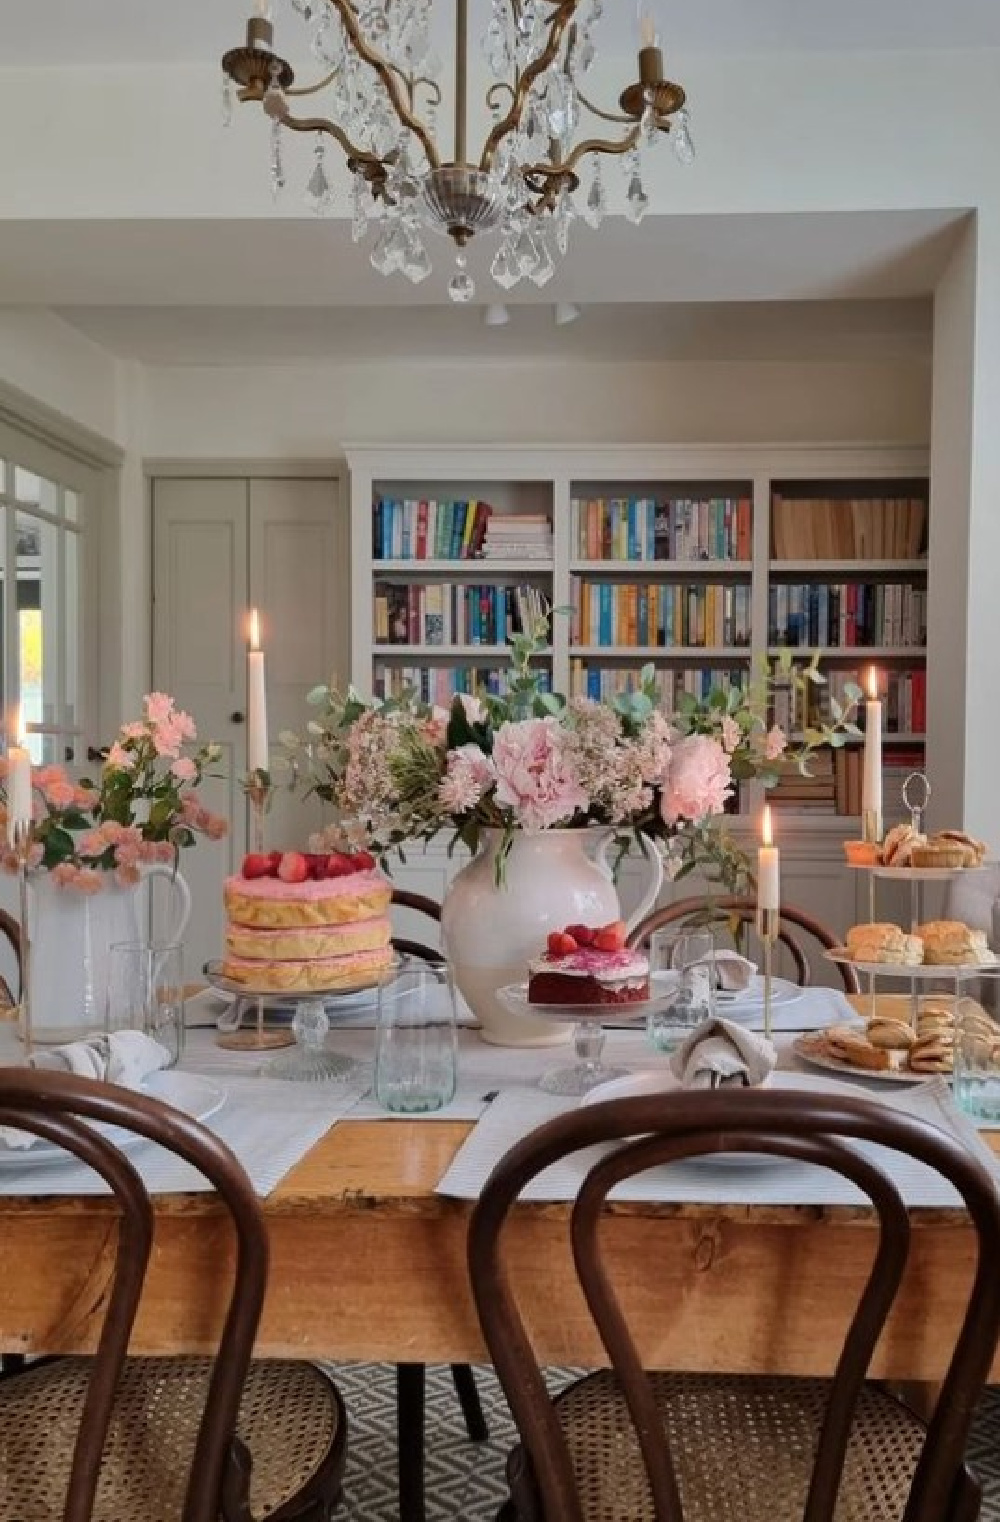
[518,536]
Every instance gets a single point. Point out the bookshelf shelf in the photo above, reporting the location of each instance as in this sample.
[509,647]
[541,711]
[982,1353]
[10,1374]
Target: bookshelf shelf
[665,570]
[858,570]
[862,655]
[467,570]
[434,652]
[663,652]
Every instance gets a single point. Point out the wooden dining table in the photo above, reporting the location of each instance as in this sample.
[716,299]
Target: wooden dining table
[368,1263]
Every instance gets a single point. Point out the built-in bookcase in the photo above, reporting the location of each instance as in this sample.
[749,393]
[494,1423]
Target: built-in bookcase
[703,561]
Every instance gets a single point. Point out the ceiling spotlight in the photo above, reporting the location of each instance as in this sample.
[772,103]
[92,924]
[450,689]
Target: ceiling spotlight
[565,312]
[496,315]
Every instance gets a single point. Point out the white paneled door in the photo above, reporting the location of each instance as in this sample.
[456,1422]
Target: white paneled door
[220,547]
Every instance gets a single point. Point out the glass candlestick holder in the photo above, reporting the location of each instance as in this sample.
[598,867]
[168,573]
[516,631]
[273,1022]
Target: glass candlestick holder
[768,926]
[21,842]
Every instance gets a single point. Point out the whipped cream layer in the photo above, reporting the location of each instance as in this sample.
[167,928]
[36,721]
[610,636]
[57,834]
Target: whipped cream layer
[588,962]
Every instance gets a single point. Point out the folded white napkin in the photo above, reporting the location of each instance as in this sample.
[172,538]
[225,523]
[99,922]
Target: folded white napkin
[124,1057]
[732,972]
[720,1051]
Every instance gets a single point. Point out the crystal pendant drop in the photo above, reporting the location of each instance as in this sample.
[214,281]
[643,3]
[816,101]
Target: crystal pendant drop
[304,8]
[277,164]
[585,53]
[680,136]
[319,191]
[227,101]
[416,263]
[636,199]
[461,286]
[360,204]
[503,269]
[596,204]
[496,46]
[648,126]
[525,253]
[563,218]
[543,269]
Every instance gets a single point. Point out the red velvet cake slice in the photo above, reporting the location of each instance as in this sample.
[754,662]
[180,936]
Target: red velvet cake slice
[604,971]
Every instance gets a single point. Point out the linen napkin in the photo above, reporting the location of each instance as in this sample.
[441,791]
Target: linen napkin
[123,1057]
[720,1051]
[732,972]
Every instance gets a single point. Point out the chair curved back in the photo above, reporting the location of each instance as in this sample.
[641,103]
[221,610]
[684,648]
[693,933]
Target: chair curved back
[794,923]
[10,929]
[646,1132]
[60,1108]
[421,904]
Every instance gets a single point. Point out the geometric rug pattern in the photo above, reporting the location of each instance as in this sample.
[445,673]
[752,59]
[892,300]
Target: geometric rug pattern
[465,1481]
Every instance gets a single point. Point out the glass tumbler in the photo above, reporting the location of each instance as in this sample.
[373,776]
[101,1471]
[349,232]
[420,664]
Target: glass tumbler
[977,1062]
[146,992]
[690,996]
[415,1039]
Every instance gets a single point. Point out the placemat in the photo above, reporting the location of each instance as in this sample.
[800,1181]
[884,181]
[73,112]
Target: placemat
[709,1180]
[269,1123]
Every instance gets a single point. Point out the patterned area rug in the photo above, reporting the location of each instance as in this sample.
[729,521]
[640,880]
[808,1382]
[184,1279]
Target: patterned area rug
[465,1481]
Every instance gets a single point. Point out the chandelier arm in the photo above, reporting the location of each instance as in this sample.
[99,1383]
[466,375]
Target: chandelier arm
[492,98]
[595,145]
[320,84]
[606,116]
[557,26]
[321,124]
[386,74]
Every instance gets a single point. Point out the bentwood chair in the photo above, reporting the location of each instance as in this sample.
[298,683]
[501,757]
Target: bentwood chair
[411,1377]
[118,1439]
[627,1445]
[794,926]
[11,931]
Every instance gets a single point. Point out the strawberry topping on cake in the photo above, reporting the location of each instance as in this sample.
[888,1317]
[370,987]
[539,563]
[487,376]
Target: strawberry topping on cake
[589,965]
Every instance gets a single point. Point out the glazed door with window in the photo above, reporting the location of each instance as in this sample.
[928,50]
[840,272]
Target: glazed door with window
[222,546]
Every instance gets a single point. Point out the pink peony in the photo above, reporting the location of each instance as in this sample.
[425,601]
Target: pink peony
[699,780]
[184,769]
[60,795]
[159,707]
[536,777]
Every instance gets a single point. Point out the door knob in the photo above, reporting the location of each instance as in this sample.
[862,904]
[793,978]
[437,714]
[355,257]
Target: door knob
[237,717]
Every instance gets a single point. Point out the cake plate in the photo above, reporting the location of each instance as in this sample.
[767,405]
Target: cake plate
[307,1032]
[587,1021]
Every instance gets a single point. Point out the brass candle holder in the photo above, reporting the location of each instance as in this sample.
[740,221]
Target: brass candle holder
[768,925]
[21,841]
[260,790]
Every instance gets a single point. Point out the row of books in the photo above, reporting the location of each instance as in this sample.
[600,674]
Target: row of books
[903,695]
[429,530]
[660,613]
[438,684]
[605,682]
[678,528]
[847,613]
[834,783]
[451,613]
[848,528]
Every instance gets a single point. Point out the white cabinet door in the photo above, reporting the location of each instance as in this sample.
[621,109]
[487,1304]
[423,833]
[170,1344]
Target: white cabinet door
[220,547]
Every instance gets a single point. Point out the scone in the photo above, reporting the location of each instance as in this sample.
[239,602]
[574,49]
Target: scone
[950,943]
[932,1054]
[974,849]
[891,1035]
[880,942]
[862,853]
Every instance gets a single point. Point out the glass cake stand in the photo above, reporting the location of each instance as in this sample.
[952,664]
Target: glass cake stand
[589,1037]
[308,1058]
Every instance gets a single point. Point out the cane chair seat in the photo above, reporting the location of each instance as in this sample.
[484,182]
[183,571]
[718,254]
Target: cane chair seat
[743,1449]
[291,1420]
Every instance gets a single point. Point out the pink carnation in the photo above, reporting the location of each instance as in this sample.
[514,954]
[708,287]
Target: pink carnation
[699,780]
[159,707]
[184,769]
[468,775]
[535,773]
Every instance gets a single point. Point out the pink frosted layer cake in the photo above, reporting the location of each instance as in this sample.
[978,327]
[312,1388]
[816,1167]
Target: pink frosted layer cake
[321,933]
[589,976]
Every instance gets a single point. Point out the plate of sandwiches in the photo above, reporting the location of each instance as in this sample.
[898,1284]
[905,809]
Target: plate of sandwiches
[907,852]
[893,1050]
[931,950]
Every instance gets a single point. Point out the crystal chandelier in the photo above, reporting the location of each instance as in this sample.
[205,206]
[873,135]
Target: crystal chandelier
[380,79]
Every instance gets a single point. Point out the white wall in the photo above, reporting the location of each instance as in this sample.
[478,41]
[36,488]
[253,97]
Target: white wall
[270,412]
[56,365]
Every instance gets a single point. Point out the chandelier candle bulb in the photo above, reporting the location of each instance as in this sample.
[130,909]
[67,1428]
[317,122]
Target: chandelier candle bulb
[768,867]
[257,755]
[871,788]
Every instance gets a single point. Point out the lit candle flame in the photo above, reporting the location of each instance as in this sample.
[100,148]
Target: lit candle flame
[872,683]
[766,832]
[254,629]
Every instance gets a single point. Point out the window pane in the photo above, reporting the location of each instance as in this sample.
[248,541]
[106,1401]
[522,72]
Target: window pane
[40,622]
[71,505]
[72,663]
[36,490]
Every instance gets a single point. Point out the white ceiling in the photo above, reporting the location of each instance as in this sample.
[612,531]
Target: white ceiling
[85,32]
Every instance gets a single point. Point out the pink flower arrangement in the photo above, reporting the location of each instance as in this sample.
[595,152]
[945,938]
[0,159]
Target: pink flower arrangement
[536,777]
[698,781]
[144,809]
